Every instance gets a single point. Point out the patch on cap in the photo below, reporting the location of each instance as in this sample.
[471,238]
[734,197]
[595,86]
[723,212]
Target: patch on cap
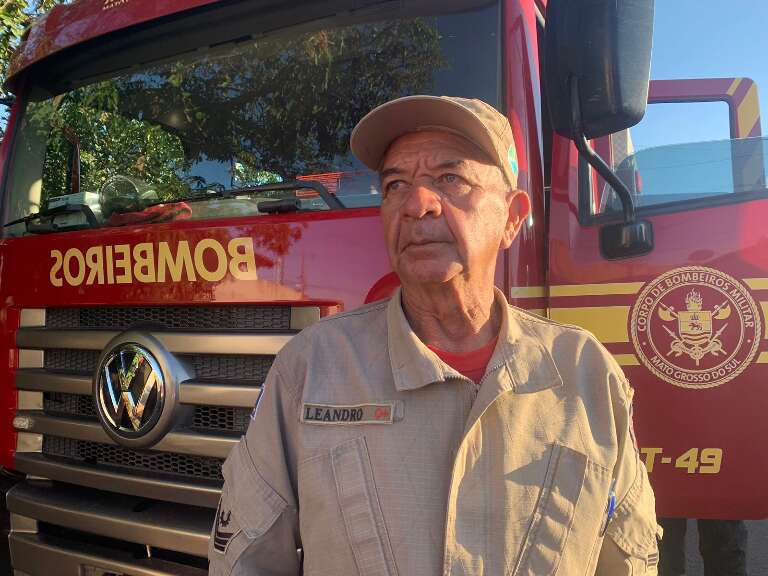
[512,159]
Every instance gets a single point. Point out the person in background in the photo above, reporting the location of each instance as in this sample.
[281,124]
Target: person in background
[722,544]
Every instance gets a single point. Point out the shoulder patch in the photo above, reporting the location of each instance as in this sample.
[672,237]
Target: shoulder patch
[222,534]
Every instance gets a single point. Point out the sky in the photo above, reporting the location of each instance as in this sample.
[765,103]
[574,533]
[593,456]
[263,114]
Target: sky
[704,39]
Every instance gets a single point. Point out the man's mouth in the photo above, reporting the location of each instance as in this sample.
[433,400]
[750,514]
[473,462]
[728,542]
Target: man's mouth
[423,243]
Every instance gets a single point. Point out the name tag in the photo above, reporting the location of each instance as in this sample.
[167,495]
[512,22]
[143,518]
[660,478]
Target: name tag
[381,413]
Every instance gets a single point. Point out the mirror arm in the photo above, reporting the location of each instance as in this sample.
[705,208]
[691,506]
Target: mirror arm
[625,196]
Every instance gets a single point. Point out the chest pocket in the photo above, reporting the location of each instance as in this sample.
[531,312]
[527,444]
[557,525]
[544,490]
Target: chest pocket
[361,510]
[552,520]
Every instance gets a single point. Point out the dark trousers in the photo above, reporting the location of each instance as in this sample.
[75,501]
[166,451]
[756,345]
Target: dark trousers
[722,543]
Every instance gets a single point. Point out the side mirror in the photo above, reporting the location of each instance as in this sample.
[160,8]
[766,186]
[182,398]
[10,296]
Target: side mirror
[606,45]
[597,65]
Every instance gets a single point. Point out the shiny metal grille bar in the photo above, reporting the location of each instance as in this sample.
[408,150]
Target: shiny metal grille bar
[45,381]
[216,446]
[191,391]
[38,556]
[204,393]
[174,342]
[127,518]
[172,491]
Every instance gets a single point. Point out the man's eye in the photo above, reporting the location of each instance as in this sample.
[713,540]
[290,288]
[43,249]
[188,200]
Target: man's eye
[453,184]
[450,178]
[393,186]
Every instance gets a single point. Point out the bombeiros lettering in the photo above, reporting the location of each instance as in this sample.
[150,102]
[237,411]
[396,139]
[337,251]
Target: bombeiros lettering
[207,260]
[109,4]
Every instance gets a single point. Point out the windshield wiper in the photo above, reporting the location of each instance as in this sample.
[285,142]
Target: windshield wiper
[50,225]
[332,201]
[279,206]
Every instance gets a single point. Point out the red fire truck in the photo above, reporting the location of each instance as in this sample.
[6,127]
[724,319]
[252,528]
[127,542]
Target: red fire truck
[179,200]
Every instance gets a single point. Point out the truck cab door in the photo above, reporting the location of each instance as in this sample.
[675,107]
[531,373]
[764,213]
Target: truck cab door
[686,322]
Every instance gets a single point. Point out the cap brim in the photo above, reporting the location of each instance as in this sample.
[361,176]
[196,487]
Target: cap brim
[383,125]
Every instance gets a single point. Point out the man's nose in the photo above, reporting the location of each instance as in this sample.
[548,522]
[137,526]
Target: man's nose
[423,200]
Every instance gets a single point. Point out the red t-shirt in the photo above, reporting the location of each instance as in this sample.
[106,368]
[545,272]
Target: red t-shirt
[470,364]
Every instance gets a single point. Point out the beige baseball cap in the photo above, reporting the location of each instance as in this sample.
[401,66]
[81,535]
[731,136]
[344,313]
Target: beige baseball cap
[478,122]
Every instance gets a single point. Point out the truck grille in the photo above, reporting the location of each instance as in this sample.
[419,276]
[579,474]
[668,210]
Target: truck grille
[227,352]
[205,418]
[221,419]
[231,366]
[67,360]
[62,404]
[254,318]
[182,466]
[238,367]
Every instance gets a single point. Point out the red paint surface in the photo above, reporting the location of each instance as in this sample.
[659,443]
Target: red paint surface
[731,239]
[707,90]
[8,322]
[302,258]
[527,255]
[66,26]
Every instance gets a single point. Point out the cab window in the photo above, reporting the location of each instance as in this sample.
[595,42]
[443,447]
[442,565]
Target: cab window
[701,141]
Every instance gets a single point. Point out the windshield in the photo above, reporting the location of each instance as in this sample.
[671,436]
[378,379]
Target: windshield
[173,140]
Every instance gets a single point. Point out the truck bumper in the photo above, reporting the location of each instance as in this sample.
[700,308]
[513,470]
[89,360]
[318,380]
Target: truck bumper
[71,531]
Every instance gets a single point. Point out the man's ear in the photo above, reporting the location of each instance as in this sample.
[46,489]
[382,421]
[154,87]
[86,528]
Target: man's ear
[519,205]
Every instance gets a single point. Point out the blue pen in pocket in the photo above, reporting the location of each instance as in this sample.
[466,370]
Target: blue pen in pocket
[610,506]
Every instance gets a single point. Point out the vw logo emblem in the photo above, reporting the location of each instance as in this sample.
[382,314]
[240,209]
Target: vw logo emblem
[130,391]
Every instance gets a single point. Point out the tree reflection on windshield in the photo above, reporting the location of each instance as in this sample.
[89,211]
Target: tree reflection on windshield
[256,114]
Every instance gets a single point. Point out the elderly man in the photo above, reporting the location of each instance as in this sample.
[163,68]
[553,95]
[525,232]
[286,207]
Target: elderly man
[442,431]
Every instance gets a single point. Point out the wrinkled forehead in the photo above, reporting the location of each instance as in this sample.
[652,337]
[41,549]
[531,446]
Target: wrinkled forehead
[436,146]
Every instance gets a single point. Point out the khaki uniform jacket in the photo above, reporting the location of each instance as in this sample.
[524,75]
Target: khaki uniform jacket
[376,458]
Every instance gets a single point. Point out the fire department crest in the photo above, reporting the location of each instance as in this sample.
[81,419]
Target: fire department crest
[695,327]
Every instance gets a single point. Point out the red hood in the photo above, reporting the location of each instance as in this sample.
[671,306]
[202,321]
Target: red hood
[298,257]
[67,26]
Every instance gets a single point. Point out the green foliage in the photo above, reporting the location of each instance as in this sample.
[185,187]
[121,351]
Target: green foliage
[287,105]
[279,108]
[15,16]
[269,109]
[110,144]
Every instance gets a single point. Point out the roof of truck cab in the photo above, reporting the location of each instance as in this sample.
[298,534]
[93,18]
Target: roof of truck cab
[66,26]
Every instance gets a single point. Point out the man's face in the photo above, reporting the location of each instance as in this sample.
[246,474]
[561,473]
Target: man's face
[446,209]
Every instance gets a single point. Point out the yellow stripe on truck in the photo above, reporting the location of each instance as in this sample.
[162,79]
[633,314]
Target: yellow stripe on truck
[748,112]
[735,84]
[756,283]
[605,289]
[626,359]
[608,323]
[764,306]
[528,292]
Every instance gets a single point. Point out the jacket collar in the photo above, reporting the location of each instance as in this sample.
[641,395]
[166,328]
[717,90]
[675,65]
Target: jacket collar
[528,364]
